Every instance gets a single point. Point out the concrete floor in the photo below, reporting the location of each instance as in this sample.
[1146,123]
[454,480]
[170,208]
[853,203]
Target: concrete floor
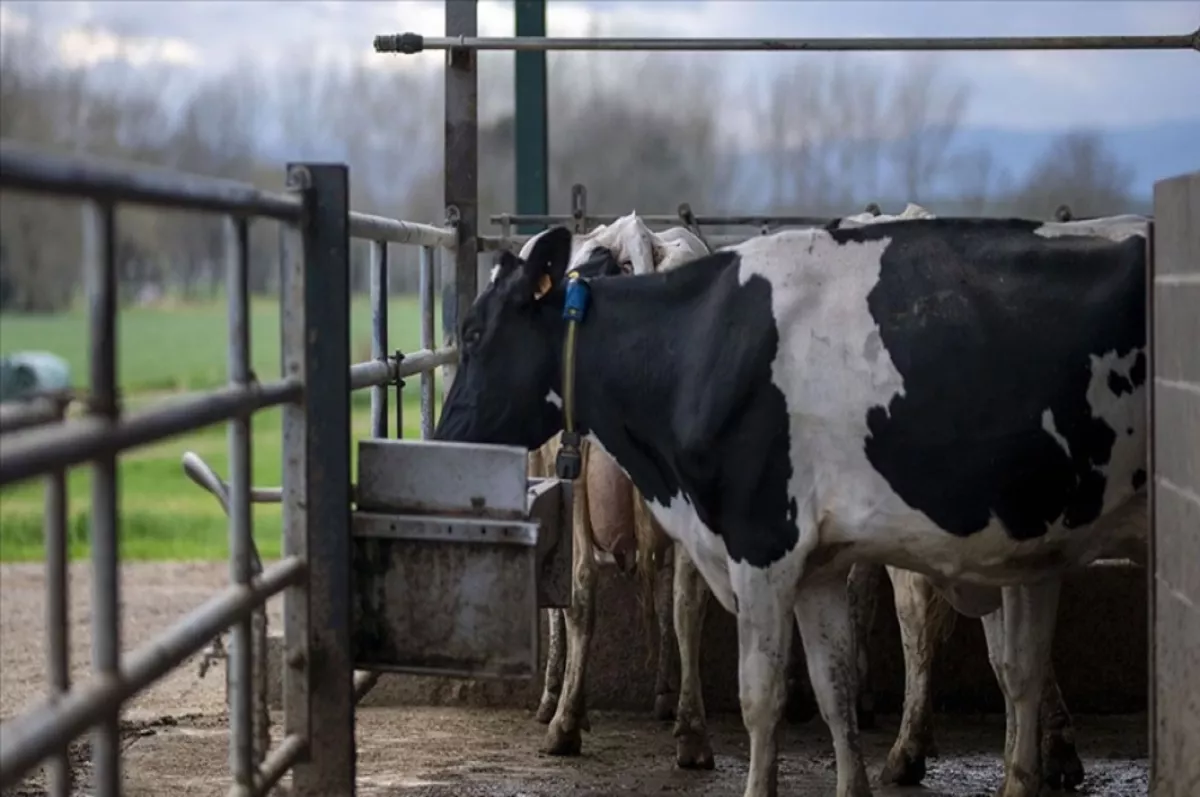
[457,752]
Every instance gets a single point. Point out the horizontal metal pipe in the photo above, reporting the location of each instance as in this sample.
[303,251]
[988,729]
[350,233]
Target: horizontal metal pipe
[410,43]
[37,451]
[425,360]
[396,231]
[364,682]
[18,415]
[30,169]
[36,734]
[703,221]
[278,762]
[372,372]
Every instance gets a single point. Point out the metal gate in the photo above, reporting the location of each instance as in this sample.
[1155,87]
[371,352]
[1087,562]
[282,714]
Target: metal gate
[313,574]
[1175,493]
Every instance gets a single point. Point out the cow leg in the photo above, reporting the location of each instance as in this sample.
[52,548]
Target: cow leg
[917,610]
[692,747]
[764,624]
[564,736]
[1019,636]
[864,594]
[665,696]
[552,686]
[1062,767]
[827,630]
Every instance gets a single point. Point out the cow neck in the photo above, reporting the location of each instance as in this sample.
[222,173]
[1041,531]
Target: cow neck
[624,382]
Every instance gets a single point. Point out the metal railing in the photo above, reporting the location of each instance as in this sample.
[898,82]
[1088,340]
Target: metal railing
[412,43]
[317,377]
[583,222]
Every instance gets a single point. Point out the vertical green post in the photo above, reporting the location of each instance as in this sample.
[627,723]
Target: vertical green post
[532,139]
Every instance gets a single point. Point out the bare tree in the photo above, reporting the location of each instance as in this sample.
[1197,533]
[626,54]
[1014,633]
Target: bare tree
[1079,170]
[926,111]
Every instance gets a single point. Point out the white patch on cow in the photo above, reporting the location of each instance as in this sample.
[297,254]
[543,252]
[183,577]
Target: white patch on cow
[1114,228]
[911,211]
[554,399]
[495,274]
[1052,430]
[831,371]
[1125,414]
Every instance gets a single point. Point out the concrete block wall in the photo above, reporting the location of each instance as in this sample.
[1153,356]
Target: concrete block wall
[1175,507]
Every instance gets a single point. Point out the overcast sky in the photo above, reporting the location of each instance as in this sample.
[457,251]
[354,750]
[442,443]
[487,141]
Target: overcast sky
[1028,91]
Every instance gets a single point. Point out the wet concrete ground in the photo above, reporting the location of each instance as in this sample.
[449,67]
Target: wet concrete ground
[440,752]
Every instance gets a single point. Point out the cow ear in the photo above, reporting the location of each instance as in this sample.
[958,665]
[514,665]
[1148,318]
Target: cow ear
[547,261]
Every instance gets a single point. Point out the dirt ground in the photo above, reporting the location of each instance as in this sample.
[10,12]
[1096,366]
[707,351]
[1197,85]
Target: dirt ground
[176,741]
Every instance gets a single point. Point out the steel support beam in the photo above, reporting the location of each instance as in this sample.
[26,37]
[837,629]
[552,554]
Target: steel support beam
[461,281]
[532,130]
[317,491]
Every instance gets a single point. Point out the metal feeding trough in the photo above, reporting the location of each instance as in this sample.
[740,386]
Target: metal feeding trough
[455,549]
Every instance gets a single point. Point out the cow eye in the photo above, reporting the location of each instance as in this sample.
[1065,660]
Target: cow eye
[471,337]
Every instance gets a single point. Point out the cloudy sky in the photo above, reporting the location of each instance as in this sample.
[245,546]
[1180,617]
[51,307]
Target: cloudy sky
[1031,91]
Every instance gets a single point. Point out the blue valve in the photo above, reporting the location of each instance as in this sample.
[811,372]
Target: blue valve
[578,293]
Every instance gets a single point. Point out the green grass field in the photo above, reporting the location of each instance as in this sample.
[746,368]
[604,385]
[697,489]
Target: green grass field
[163,515]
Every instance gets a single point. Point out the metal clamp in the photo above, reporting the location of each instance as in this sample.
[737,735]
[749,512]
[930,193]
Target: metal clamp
[579,208]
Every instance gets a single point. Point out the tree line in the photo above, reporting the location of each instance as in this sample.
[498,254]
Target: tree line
[643,133]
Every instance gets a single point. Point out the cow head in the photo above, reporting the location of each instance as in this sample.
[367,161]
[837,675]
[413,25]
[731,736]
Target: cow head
[504,391]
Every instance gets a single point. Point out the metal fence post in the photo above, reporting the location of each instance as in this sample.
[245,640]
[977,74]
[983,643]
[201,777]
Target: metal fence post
[322,331]
[461,171]
[100,249]
[429,256]
[379,334]
[533,183]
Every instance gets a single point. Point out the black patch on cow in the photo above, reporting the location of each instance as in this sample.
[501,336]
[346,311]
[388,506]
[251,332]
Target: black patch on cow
[1139,478]
[704,418]
[1119,384]
[1137,373]
[990,325]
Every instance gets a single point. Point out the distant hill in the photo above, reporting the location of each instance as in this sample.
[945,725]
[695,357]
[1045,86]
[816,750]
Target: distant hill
[1153,151]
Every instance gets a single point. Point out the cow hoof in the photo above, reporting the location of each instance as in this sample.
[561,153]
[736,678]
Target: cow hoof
[664,707]
[546,709]
[903,768]
[561,741]
[1063,770]
[693,751]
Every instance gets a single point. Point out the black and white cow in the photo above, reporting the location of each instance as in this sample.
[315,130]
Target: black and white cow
[961,398]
